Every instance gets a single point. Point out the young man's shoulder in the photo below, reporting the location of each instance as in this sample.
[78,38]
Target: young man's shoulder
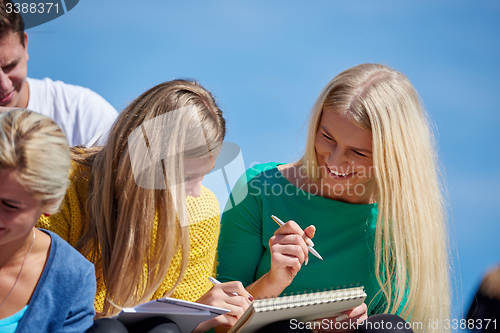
[57,88]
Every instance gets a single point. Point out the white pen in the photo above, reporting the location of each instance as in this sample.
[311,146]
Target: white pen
[307,239]
[215,281]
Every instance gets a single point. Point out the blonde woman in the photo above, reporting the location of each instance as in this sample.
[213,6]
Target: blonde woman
[136,208]
[368,182]
[45,284]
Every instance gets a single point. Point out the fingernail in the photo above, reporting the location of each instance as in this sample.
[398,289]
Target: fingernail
[342,317]
[309,241]
[307,260]
[250,298]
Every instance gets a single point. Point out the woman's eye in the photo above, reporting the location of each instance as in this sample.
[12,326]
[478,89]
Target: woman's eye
[327,137]
[9,205]
[359,154]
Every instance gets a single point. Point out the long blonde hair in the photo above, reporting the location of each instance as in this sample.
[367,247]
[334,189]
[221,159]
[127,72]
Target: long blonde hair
[411,238]
[136,209]
[26,139]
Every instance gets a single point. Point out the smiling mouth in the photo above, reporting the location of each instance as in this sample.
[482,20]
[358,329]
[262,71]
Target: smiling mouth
[6,97]
[340,174]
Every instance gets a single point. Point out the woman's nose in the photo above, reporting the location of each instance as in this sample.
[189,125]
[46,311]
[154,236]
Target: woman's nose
[338,160]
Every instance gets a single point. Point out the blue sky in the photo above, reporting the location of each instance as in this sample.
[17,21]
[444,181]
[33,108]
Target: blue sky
[266,62]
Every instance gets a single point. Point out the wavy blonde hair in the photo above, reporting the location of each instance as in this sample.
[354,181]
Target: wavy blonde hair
[411,237]
[26,139]
[132,231]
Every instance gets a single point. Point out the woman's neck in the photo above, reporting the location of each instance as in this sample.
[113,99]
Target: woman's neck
[21,273]
[13,253]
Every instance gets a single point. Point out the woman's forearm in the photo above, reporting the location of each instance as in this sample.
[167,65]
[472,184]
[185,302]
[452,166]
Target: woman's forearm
[265,287]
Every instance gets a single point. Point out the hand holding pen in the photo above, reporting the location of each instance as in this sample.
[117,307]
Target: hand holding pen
[308,240]
[289,250]
[230,295]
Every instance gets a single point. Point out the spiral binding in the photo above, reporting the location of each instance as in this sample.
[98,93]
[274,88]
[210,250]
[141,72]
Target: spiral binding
[306,299]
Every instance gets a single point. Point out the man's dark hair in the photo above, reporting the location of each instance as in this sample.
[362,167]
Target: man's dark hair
[10,22]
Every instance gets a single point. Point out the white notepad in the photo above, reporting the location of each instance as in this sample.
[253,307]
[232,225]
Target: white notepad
[187,315]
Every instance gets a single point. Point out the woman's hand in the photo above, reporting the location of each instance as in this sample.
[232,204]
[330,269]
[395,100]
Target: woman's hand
[229,295]
[288,252]
[346,322]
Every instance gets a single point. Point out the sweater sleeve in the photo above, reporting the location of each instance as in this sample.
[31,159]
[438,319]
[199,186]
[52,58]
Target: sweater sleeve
[81,312]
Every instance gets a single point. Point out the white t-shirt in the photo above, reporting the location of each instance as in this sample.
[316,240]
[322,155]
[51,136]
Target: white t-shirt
[82,114]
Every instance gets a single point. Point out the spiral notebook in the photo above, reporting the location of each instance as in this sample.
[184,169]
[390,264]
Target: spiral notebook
[303,308]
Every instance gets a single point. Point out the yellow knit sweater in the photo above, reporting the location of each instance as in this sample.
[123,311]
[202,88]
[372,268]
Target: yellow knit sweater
[204,210]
